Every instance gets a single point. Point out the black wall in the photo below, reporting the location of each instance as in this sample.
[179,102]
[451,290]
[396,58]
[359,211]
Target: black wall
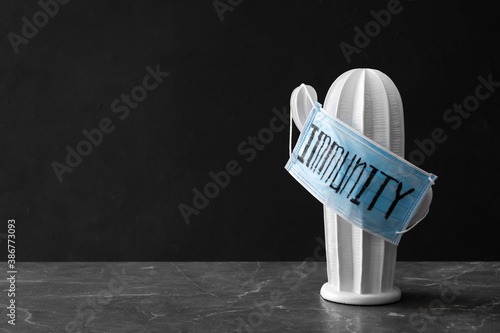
[225,78]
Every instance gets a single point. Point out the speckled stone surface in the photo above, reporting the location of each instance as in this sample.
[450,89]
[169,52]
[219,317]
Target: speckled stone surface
[244,297]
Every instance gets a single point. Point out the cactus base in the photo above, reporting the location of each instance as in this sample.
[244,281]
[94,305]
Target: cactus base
[329,293]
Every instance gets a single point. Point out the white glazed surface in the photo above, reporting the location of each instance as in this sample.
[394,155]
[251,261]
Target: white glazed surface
[360,266]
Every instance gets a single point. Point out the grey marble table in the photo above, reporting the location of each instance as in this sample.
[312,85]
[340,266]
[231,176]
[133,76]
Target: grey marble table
[244,297]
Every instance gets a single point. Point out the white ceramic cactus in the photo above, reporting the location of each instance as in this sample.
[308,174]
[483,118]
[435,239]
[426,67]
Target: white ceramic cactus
[360,265]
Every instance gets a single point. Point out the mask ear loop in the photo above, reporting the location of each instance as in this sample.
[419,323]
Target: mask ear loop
[302,86]
[308,95]
[431,179]
[413,226]
[290,139]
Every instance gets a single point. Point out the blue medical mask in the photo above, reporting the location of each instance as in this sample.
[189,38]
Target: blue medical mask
[363,182]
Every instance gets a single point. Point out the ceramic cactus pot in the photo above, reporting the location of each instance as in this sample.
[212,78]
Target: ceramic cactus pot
[360,265]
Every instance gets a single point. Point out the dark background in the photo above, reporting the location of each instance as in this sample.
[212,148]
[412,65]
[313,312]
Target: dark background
[121,202]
